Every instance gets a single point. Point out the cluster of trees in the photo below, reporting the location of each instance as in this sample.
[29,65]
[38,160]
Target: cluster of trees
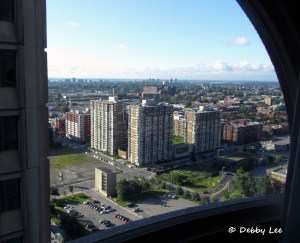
[69,223]
[250,186]
[132,189]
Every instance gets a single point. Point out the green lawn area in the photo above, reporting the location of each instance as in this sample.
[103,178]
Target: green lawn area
[193,178]
[74,199]
[178,140]
[69,159]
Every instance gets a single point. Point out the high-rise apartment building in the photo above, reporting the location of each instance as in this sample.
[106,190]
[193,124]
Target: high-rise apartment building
[203,129]
[24,168]
[78,125]
[179,126]
[109,125]
[150,133]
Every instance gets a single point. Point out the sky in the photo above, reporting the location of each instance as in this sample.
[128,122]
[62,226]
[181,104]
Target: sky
[141,39]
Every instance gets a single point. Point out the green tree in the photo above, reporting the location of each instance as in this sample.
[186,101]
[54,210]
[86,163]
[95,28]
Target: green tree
[54,191]
[196,196]
[122,189]
[71,225]
[71,188]
[178,179]
[188,104]
[145,185]
[205,200]
[187,194]
[278,158]
[179,190]
[244,182]
[226,194]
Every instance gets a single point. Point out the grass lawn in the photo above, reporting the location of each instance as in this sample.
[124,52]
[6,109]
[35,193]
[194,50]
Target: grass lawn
[69,159]
[194,178]
[74,199]
[178,140]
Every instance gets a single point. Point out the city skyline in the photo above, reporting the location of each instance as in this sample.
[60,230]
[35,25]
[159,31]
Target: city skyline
[154,39]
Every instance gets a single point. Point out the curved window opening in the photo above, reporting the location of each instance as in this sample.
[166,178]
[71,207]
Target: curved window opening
[213,126]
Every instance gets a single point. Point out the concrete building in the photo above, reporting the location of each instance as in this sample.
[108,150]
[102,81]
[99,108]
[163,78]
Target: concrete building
[78,125]
[268,100]
[203,129]
[24,168]
[179,125]
[150,133]
[105,181]
[241,132]
[109,125]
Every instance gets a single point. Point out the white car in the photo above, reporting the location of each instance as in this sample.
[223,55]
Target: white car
[104,212]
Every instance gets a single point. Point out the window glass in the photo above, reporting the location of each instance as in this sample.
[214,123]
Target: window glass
[8,133]
[7,68]
[10,195]
[7,10]
[15,240]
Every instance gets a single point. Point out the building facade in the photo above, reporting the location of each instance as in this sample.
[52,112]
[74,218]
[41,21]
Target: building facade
[109,125]
[24,168]
[179,126]
[203,129]
[78,125]
[241,132]
[150,133]
[105,181]
[268,100]
[60,126]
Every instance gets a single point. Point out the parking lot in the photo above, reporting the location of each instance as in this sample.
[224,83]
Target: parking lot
[147,208]
[92,216]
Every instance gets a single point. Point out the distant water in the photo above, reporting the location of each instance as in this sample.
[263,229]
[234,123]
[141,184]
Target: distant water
[157,80]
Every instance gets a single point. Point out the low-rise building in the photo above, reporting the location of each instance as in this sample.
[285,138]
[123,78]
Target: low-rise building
[241,132]
[105,181]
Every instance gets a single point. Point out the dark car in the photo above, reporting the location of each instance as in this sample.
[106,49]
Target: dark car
[130,205]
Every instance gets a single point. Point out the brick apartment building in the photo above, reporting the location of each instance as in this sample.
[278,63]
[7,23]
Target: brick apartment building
[78,125]
[241,132]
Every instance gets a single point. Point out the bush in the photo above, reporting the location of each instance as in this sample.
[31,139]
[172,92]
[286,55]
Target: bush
[54,191]
[187,194]
[179,190]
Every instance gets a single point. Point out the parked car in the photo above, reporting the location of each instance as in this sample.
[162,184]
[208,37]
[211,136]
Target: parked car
[130,205]
[104,211]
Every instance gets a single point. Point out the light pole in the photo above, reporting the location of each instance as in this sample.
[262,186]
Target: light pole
[223,171]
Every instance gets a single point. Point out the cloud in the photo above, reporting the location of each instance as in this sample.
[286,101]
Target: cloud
[64,63]
[121,46]
[241,41]
[220,66]
[72,24]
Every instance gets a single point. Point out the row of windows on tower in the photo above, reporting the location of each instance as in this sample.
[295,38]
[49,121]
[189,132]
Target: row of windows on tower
[7,10]
[7,68]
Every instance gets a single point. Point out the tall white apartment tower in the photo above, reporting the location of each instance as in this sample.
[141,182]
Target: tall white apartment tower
[109,125]
[203,129]
[150,133]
